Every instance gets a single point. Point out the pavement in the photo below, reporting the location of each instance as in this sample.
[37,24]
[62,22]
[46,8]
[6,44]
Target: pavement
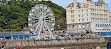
[104,48]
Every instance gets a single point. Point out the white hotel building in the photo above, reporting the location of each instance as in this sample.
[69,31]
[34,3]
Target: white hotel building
[88,15]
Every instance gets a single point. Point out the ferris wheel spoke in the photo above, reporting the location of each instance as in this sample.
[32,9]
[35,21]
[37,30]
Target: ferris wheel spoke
[32,17]
[48,29]
[34,21]
[40,29]
[47,14]
[44,28]
[37,28]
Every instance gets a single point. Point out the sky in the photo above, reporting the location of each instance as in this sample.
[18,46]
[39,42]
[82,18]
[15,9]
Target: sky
[65,3]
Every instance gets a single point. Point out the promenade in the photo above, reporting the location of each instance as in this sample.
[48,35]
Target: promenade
[89,42]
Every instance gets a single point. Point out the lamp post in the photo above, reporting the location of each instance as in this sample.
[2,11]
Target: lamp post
[11,36]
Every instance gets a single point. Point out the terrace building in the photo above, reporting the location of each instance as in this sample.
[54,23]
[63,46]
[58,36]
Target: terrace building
[88,16]
[110,16]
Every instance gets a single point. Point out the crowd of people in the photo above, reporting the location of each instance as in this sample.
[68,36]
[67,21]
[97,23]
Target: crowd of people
[3,47]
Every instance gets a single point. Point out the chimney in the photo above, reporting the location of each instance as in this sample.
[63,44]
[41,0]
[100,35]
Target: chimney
[101,1]
[86,0]
[75,4]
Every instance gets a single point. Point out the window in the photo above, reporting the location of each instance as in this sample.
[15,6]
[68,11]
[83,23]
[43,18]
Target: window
[82,15]
[72,20]
[92,6]
[82,19]
[100,25]
[71,11]
[104,11]
[87,14]
[104,7]
[72,16]
[103,25]
[87,10]
[87,25]
[93,10]
[87,19]
[71,4]
[82,10]
[79,10]
[72,26]
[79,26]
[71,8]
[79,15]
[79,20]
[83,26]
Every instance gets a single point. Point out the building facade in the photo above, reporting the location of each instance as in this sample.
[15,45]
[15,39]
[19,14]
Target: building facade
[110,16]
[86,15]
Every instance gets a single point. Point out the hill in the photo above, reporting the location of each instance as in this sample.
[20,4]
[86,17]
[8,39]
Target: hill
[14,15]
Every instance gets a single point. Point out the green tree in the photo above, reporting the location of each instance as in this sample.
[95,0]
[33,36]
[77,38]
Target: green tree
[14,15]
[4,1]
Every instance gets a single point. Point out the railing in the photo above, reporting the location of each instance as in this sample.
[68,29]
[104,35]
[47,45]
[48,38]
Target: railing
[107,36]
[57,38]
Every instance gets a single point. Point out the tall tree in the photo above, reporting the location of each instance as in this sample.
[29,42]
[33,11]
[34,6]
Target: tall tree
[4,1]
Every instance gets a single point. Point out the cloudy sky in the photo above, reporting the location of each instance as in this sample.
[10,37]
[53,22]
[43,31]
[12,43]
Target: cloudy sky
[65,3]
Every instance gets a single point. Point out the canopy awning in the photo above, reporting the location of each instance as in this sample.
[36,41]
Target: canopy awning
[15,35]
[107,32]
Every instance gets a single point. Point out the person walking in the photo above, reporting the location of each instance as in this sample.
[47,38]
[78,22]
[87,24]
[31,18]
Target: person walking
[3,47]
[18,47]
[97,47]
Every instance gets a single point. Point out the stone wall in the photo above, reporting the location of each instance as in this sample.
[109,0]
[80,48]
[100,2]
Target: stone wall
[41,43]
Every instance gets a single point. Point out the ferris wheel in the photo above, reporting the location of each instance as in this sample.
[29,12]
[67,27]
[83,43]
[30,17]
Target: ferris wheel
[41,21]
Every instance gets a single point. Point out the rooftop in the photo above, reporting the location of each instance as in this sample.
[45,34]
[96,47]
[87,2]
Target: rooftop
[79,4]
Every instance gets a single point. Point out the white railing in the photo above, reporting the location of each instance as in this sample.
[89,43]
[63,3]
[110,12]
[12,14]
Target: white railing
[107,36]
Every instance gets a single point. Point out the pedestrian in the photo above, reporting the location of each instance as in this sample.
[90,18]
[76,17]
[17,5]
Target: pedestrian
[97,47]
[62,48]
[3,47]
[18,47]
